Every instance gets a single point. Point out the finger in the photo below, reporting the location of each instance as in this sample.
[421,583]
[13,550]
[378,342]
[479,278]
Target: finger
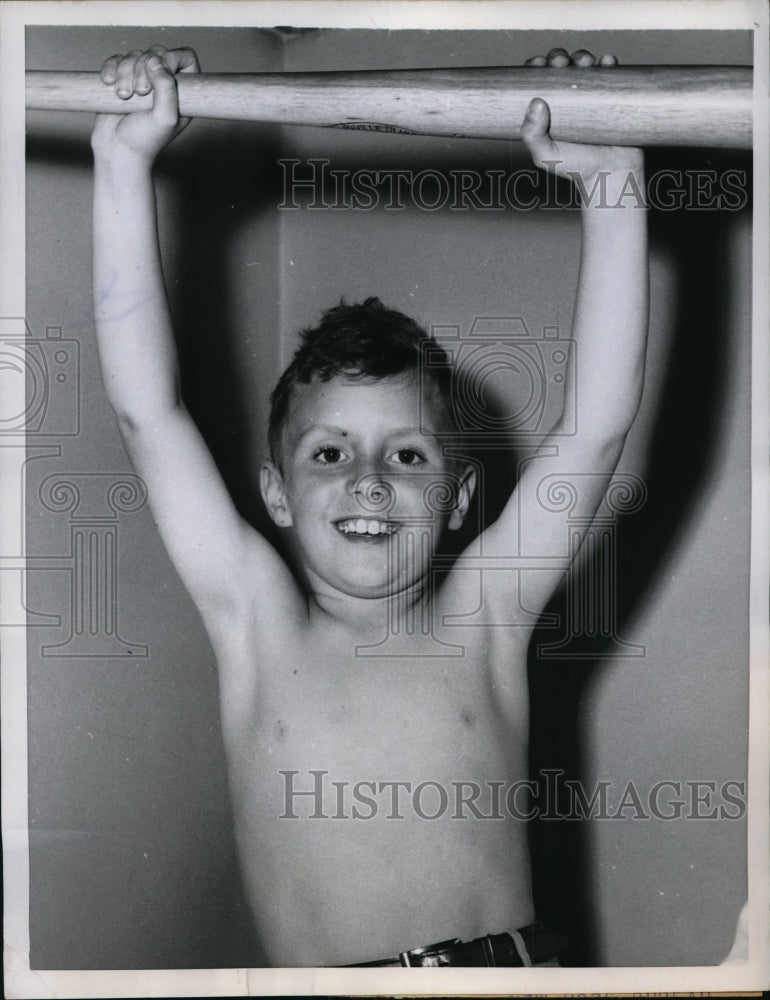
[534,131]
[124,75]
[165,104]
[182,60]
[110,68]
[142,83]
[608,61]
[535,61]
[582,58]
[557,57]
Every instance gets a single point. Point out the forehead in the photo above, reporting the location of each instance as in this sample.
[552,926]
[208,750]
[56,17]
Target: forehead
[353,403]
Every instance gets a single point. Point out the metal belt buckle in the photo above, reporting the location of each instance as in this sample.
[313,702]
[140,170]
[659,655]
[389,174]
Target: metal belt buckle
[429,951]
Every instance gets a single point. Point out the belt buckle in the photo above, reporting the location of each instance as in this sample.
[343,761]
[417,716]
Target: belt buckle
[428,951]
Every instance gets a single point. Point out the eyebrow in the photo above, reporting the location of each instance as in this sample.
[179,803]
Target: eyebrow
[334,429]
[322,428]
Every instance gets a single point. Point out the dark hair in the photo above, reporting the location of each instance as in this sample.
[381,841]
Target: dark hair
[365,340]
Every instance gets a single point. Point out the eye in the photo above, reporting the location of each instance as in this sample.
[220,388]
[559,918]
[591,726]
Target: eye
[328,455]
[408,456]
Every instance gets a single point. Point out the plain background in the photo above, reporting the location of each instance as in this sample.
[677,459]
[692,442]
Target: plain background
[131,850]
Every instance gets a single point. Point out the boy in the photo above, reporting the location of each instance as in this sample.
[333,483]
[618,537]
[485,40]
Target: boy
[336,697]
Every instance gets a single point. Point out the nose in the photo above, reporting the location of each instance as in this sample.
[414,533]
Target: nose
[371,488]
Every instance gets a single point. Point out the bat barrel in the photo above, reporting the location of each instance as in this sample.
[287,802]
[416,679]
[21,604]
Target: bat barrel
[640,105]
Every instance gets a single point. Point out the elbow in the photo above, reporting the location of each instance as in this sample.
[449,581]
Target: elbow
[612,418]
[127,423]
[609,439]
[133,424]
[600,442]
[626,414]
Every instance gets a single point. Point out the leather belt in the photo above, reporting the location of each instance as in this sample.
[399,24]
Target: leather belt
[505,949]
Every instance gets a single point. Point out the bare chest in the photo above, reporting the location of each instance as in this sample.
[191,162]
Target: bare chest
[360,712]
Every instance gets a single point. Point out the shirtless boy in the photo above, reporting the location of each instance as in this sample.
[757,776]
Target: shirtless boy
[356,461]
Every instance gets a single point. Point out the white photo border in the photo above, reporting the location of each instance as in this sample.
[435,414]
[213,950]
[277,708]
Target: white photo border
[23,982]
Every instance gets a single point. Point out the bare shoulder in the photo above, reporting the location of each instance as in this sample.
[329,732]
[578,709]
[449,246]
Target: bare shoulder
[488,585]
[480,615]
[263,610]
[263,594]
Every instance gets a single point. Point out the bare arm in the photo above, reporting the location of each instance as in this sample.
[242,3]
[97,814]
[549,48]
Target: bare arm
[216,553]
[604,388]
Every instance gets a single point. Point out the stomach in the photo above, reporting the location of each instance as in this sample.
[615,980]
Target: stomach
[329,896]
[376,818]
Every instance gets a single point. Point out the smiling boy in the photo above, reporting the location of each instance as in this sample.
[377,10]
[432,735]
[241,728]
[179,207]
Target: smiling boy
[357,434]
[315,698]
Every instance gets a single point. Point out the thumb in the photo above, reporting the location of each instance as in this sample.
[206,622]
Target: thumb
[535,133]
[165,103]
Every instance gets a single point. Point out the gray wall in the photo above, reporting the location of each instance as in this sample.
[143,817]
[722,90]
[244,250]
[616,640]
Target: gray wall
[132,859]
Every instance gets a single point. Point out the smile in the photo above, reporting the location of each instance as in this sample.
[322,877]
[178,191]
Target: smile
[365,526]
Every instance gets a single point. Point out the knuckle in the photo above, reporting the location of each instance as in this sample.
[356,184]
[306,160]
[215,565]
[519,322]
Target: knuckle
[189,59]
[109,68]
[130,58]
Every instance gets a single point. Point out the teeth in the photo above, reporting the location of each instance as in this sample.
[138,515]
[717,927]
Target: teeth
[360,526]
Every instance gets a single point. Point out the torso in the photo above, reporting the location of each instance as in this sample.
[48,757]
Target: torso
[379,868]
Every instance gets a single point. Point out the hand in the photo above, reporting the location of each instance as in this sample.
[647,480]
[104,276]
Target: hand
[560,58]
[143,133]
[571,159]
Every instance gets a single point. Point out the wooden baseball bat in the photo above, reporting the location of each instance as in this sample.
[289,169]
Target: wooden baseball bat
[639,105]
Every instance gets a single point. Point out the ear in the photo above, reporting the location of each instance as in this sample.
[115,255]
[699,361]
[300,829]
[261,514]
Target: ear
[465,489]
[274,494]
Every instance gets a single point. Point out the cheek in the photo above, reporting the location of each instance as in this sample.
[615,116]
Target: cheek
[309,493]
[431,497]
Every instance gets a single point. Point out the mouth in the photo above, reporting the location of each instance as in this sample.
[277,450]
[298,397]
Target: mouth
[365,529]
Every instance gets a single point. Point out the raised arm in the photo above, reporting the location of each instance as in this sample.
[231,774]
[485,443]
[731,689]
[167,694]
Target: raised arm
[605,382]
[215,552]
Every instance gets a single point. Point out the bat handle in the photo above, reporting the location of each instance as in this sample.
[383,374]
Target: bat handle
[639,105]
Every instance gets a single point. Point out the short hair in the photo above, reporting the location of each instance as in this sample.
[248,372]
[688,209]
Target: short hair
[366,341]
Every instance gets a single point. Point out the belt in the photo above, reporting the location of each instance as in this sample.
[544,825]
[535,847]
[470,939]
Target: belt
[526,946]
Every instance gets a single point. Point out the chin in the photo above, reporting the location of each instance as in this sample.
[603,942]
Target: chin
[371,588]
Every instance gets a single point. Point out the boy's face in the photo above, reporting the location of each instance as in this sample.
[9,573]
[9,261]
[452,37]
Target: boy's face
[365,484]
